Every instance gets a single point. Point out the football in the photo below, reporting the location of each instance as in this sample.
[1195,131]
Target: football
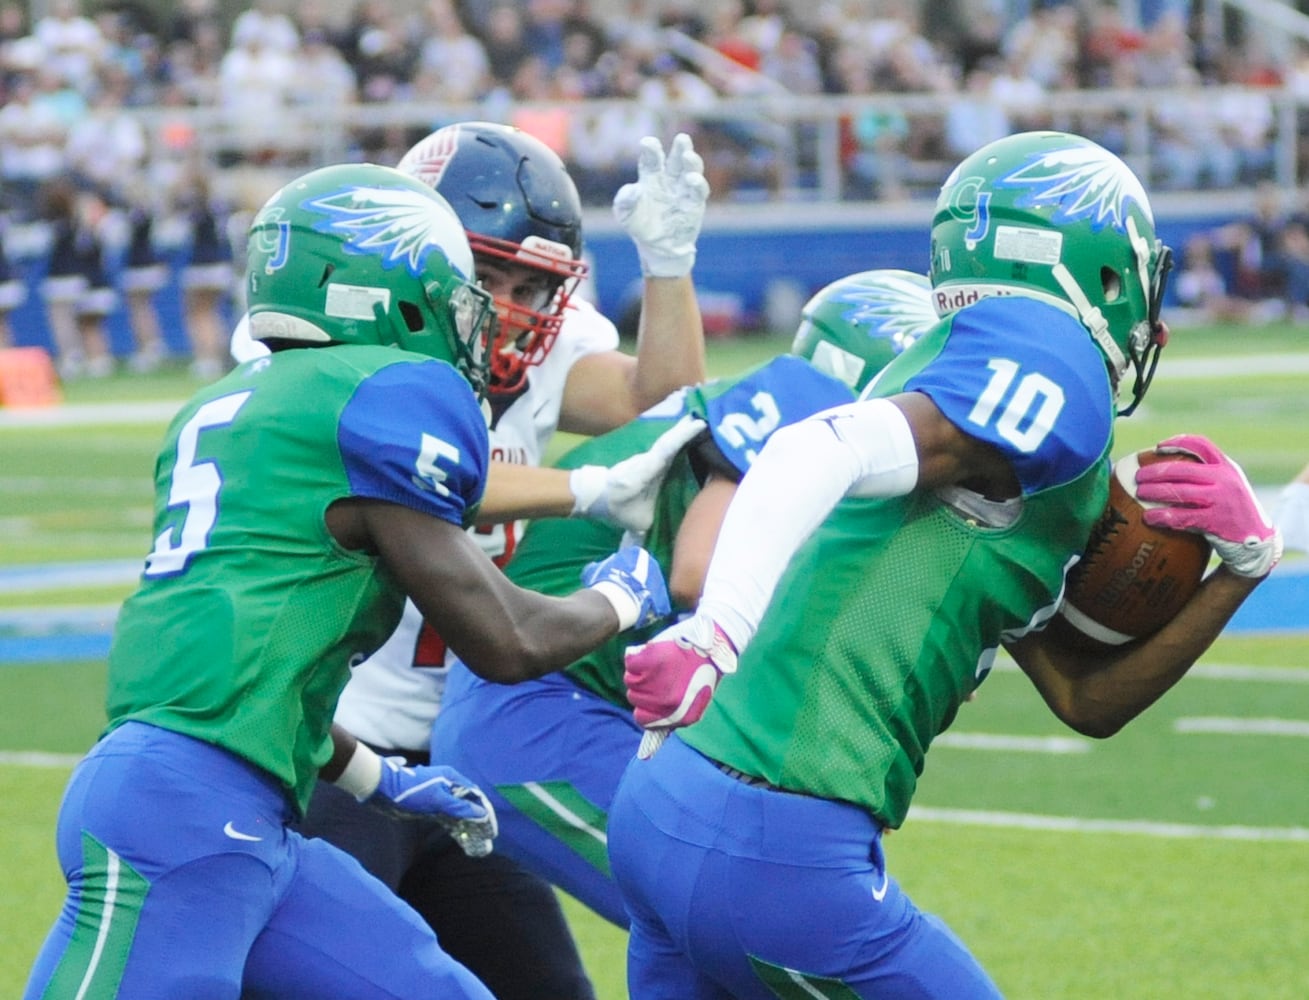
[1132,578]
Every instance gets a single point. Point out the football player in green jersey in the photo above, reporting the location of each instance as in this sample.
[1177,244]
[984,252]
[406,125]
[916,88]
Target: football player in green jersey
[873,562]
[549,752]
[299,500]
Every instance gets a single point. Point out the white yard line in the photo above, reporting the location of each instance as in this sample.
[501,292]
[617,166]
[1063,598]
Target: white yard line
[1013,744]
[35,758]
[1230,726]
[90,414]
[101,414]
[1077,824]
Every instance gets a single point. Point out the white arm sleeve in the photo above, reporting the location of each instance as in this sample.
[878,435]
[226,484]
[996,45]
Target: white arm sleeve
[1293,516]
[859,449]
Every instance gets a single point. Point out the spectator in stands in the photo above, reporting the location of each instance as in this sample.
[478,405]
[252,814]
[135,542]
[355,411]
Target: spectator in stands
[974,118]
[32,135]
[255,81]
[1201,288]
[584,45]
[873,139]
[76,289]
[207,276]
[194,68]
[1190,148]
[144,273]
[793,63]
[545,23]
[265,21]
[109,145]
[13,290]
[322,86]
[13,26]
[452,64]
[385,60]
[1245,112]
[505,40]
[1269,254]
[72,43]
[188,16]
[599,142]
[1046,43]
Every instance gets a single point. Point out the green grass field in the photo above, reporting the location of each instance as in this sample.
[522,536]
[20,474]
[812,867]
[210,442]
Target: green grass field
[1170,861]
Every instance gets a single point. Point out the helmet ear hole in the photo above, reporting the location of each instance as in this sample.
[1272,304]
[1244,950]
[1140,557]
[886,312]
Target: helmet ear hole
[1112,283]
[411,314]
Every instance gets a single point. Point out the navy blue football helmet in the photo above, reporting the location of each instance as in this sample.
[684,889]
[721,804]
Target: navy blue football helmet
[519,206]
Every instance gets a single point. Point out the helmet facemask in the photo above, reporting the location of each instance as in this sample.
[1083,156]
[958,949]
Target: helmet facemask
[1149,338]
[527,331]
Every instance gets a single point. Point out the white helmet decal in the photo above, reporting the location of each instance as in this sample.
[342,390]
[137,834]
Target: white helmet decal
[397,225]
[1080,183]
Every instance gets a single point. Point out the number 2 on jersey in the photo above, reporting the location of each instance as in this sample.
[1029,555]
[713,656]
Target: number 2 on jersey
[194,487]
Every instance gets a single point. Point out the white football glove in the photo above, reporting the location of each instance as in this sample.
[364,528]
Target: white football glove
[663,210]
[624,494]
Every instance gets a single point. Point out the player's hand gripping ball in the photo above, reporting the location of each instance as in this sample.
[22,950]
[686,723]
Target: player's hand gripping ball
[1133,578]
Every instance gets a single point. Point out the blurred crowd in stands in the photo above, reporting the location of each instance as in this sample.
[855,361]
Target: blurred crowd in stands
[105,147]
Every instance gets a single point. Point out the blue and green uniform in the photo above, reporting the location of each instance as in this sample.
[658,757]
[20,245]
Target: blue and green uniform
[184,879]
[550,751]
[884,622]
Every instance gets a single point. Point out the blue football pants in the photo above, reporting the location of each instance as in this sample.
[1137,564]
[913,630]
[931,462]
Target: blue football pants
[549,754]
[185,881]
[740,892]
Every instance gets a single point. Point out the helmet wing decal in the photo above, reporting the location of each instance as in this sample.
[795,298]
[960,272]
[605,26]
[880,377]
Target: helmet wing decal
[1080,183]
[897,309]
[396,225]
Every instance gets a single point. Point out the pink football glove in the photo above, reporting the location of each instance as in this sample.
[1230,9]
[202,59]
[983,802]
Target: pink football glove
[672,677]
[1212,497]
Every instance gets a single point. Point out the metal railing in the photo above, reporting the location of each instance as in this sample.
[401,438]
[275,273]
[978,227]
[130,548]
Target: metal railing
[779,148]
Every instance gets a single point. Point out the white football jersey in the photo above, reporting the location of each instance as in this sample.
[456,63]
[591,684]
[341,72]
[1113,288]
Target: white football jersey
[392,697]
[1293,516]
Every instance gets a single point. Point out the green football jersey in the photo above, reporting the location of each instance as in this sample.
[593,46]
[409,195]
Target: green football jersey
[249,614]
[891,613]
[740,413]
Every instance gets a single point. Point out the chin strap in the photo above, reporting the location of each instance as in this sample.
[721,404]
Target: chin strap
[1093,318]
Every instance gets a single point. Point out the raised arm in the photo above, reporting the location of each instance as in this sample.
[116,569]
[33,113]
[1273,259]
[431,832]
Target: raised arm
[662,211]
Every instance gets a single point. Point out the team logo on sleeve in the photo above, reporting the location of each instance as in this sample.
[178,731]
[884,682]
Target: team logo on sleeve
[1079,183]
[397,225]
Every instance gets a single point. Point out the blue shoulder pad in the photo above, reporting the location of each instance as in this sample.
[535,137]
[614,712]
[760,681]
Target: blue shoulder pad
[1025,377]
[414,434]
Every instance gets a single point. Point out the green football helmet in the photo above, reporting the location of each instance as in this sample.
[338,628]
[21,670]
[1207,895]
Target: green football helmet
[854,326]
[365,254]
[1056,217]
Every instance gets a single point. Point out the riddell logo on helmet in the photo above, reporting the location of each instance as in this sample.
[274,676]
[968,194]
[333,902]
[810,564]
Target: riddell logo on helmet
[539,246]
[951,299]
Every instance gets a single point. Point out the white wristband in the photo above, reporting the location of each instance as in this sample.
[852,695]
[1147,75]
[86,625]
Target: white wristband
[624,604]
[587,484]
[362,773]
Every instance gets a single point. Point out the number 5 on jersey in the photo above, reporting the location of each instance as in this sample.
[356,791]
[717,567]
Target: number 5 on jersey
[194,487]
